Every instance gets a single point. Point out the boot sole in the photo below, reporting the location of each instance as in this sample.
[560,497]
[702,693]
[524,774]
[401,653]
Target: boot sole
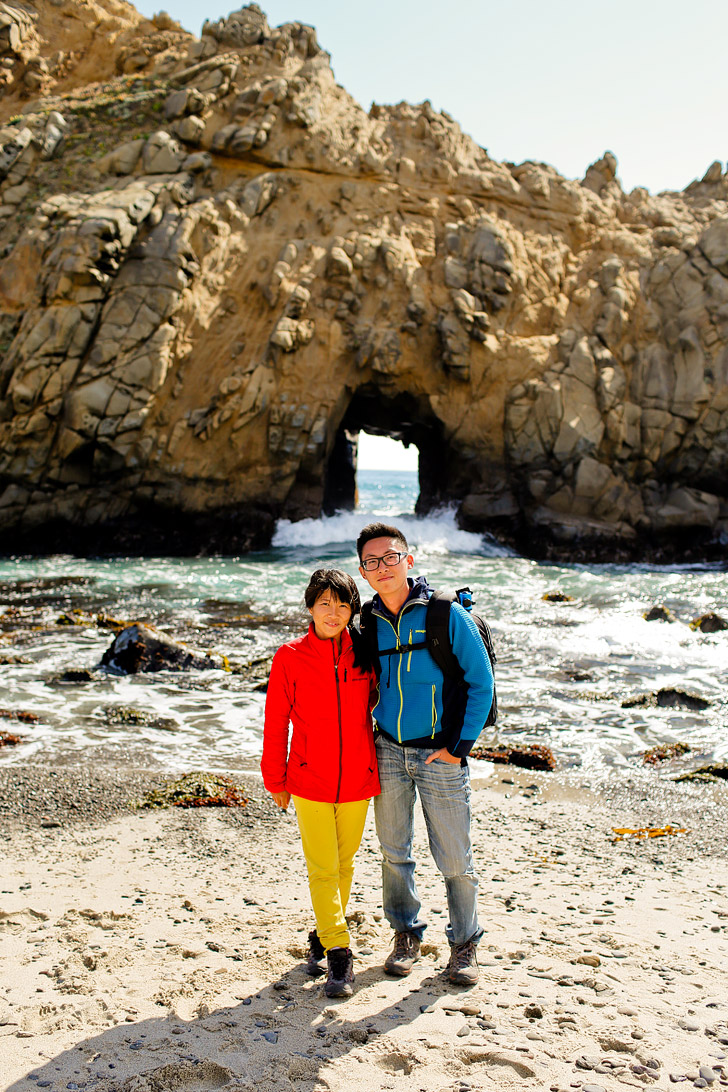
[343,991]
[398,972]
[462,981]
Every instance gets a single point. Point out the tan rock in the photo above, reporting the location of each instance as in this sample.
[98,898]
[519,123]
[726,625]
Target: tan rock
[216,322]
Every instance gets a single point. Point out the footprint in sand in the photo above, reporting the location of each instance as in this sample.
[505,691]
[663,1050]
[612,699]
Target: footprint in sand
[397,1063]
[495,1058]
[182,1077]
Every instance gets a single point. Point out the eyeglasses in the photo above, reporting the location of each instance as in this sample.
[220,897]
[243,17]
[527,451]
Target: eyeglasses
[390,559]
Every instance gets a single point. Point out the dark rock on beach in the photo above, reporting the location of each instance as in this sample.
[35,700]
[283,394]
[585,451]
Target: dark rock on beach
[668,698]
[73,675]
[659,613]
[142,718]
[715,772]
[709,623]
[139,648]
[531,757]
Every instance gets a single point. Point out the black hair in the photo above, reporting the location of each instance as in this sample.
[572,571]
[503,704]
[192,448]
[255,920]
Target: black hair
[338,583]
[379,530]
[344,588]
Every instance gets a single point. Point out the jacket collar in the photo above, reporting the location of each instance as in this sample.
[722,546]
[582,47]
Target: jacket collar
[323,647]
[419,592]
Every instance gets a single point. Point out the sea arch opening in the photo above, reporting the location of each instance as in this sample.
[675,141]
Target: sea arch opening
[403,417]
[386,475]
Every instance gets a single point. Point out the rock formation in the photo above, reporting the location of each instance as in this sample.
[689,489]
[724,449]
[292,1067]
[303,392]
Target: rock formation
[216,268]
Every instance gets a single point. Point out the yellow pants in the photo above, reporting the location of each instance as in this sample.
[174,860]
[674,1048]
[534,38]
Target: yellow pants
[331,835]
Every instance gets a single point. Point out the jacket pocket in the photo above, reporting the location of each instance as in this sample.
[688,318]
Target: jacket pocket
[434,712]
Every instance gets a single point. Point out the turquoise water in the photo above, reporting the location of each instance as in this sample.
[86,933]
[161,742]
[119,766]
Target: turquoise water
[562,674]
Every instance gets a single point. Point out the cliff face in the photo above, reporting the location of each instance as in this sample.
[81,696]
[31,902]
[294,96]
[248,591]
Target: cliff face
[216,267]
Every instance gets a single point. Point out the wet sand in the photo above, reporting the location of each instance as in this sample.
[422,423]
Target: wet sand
[146,951]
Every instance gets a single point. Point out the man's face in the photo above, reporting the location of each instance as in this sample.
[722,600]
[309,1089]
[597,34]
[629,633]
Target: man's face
[390,578]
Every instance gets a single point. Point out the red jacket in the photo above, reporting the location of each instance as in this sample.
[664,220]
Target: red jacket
[326,699]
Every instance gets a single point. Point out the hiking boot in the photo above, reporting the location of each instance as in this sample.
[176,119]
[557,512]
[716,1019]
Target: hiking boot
[340,982]
[463,966]
[316,955]
[404,955]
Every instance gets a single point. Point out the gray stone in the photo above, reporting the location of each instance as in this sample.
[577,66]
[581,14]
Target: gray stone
[198,161]
[162,154]
[122,160]
[189,129]
[12,150]
[176,104]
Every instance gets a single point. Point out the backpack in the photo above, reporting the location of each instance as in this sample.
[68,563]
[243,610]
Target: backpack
[437,639]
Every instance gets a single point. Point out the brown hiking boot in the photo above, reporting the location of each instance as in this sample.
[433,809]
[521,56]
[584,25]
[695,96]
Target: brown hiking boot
[404,955]
[463,966]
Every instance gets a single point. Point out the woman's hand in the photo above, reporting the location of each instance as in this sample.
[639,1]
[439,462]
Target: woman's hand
[283,799]
[443,755]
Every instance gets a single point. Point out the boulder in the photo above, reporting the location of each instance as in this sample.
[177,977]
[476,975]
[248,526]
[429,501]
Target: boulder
[659,613]
[709,623]
[162,154]
[139,648]
[668,698]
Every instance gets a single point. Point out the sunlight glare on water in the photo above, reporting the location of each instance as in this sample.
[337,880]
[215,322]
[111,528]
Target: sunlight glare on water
[563,670]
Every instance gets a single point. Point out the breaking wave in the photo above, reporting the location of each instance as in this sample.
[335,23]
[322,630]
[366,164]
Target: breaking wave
[436,533]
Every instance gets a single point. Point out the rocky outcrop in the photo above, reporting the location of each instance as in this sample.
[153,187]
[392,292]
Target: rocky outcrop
[217,268]
[139,648]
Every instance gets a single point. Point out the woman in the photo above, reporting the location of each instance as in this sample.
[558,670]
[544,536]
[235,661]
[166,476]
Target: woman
[321,685]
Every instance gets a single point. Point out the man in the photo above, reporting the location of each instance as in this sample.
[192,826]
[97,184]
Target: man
[422,747]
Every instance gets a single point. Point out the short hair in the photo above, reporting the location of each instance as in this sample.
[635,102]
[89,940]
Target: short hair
[338,583]
[379,530]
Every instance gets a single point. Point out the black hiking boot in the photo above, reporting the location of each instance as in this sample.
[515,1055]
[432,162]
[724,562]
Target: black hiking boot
[404,955]
[340,982]
[316,955]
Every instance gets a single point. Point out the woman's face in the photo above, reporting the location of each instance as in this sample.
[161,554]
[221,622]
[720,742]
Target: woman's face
[330,616]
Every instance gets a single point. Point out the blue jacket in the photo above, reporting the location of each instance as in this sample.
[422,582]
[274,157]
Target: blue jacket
[417,706]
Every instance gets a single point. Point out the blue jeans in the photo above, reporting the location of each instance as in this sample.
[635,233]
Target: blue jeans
[444,790]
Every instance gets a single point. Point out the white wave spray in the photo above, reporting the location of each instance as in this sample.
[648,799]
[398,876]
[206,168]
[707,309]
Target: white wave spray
[436,533]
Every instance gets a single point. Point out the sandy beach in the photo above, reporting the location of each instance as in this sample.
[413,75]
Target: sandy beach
[150,950]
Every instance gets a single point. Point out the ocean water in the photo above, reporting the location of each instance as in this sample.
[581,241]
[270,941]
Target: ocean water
[563,668]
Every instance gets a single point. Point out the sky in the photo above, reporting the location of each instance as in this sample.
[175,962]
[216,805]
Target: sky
[558,82]
[383,453]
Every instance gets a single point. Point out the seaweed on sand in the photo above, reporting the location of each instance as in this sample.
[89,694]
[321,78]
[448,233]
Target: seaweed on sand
[196,790]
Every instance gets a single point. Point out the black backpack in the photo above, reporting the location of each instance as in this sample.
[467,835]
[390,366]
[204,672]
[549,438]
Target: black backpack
[437,639]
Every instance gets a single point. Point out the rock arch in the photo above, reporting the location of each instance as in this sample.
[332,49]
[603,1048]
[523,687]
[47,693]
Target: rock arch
[193,323]
[403,417]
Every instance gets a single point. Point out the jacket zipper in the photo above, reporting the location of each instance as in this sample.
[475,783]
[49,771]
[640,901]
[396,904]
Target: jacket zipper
[341,737]
[412,603]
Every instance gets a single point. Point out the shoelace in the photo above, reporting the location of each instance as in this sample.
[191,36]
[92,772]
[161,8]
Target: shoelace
[463,956]
[404,945]
[339,963]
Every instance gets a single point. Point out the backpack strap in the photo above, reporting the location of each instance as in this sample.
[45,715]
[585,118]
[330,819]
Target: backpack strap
[437,629]
[368,630]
